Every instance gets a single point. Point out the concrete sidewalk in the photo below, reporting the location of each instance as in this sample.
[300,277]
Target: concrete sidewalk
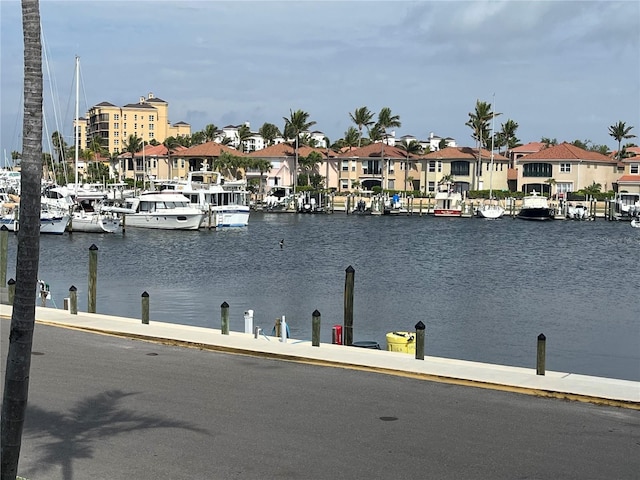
[622,393]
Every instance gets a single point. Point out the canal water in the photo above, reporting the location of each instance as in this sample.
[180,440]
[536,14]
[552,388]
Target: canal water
[485,289]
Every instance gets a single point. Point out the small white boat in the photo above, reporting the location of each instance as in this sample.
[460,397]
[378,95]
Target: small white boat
[577,212]
[448,202]
[535,207]
[490,210]
[635,223]
[53,221]
[164,211]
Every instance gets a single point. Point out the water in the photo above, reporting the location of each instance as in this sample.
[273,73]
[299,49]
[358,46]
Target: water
[484,289]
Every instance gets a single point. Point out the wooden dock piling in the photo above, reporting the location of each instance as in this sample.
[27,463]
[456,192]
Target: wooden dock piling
[224,318]
[145,308]
[93,278]
[348,305]
[420,331]
[73,300]
[315,328]
[541,356]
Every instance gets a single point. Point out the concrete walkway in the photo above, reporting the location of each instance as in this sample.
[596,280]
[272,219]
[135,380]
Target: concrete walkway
[622,393]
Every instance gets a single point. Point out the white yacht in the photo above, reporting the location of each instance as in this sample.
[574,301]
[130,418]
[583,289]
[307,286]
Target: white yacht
[224,203]
[164,211]
[448,202]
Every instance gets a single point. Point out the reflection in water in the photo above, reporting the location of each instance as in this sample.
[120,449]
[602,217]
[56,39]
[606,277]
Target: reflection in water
[484,289]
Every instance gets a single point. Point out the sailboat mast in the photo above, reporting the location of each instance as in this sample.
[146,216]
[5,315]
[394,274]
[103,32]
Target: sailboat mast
[493,137]
[77,123]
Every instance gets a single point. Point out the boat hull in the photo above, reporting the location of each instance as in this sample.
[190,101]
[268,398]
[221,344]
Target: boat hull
[164,221]
[491,212]
[447,212]
[94,224]
[236,216]
[537,214]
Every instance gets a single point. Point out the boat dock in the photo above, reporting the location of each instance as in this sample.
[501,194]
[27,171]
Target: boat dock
[564,385]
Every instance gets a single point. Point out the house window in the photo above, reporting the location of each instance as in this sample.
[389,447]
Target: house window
[390,167]
[116,125]
[439,166]
[565,167]
[135,126]
[537,170]
[116,116]
[124,117]
[151,126]
[432,186]
[353,167]
[124,126]
[564,187]
[634,168]
[344,184]
[135,117]
[345,165]
[432,166]
[460,168]
[151,119]
[116,142]
[116,134]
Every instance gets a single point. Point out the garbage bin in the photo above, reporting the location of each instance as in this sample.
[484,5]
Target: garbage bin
[404,342]
[367,344]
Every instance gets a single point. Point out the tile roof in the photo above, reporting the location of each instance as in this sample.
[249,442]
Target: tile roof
[629,179]
[375,150]
[529,147]
[155,151]
[463,153]
[285,149]
[567,151]
[210,149]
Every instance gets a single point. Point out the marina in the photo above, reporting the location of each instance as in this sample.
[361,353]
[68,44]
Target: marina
[484,289]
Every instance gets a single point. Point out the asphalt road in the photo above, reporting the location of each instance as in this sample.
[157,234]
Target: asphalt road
[103,407]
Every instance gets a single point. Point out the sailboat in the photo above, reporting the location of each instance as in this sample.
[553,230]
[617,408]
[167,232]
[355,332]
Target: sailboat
[86,214]
[490,209]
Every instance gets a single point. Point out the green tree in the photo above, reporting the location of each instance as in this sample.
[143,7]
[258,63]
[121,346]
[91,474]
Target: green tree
[269,132]
[592,189]
[17,372]
[351,138]
[549,142]
[244,134]
[362,117]
[385,120]
[309,163]
[480,124]
[263,166]
[297,123]
[170,143]
[59,146]
[411,148]
[210,132]
[620,131]
[506,137]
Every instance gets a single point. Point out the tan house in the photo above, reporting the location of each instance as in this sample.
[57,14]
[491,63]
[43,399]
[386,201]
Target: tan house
[629,181]
[469,171]
[559,169]
[377,165]
[282,157]
[202,157]
[150,163]
[148,119]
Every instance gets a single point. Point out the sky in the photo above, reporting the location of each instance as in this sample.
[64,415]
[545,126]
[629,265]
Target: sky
[560,69]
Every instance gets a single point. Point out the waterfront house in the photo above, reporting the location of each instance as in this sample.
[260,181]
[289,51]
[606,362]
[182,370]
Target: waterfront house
[466,167]
[559,169]
[629,181]
[206,156]
[150,163]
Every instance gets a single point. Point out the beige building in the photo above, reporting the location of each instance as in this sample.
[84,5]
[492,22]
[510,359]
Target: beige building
[148,120]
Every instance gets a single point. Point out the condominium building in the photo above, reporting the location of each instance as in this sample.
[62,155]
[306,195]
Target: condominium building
[148,120]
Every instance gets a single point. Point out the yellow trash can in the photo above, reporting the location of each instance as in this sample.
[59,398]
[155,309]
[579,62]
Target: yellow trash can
[404,342]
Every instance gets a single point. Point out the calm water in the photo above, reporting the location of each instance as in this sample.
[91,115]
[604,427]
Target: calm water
[484,289]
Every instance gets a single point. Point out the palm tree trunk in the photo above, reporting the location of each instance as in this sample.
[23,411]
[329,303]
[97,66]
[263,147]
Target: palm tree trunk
[16,387]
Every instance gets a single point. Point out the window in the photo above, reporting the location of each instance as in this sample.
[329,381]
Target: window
[634,168]
[135,117]
[390,168]
[124,117]
[135,126]
[116,142]
[124,126]
[141,117]
[345,165]
[460,168]
[371,167]
[564,187]
[432,186]
[116,126]
[151,118]
[116,134]
[537,170]
[565,167]
[151,126]
[432,165]
[439,166]
[344,184]
[353,167]
[116,116]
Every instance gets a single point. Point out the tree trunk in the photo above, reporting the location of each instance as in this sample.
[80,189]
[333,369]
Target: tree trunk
[16,387]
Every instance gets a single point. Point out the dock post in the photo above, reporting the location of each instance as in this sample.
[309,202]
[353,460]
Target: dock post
[73,300]
[224,314]
[315,328]
[420,207]
[11,287]
[93,276]
[420,331]
[123,223]
[542,351]
[4,254]
[277,327]
[248,321]
[348,305]
[145,308]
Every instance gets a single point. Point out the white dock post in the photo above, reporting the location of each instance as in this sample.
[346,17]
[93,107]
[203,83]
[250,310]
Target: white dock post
[248,321]
[283,330]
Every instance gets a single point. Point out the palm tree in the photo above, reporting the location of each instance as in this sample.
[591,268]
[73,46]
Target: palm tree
[412,147]
[620,131]
[297,123]
[385,120]
[17,372]
[133,145]
[551,182]
[269,132]
[263,165]
[362,117]
[351,138]
[507,135]
[209,132]
[309,163]
[479,122]
[170,143]
[244,134]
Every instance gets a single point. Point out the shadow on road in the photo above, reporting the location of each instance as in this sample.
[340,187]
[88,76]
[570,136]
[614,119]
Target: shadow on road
[73,435]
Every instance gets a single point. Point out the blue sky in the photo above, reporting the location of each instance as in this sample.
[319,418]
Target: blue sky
[564,70]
